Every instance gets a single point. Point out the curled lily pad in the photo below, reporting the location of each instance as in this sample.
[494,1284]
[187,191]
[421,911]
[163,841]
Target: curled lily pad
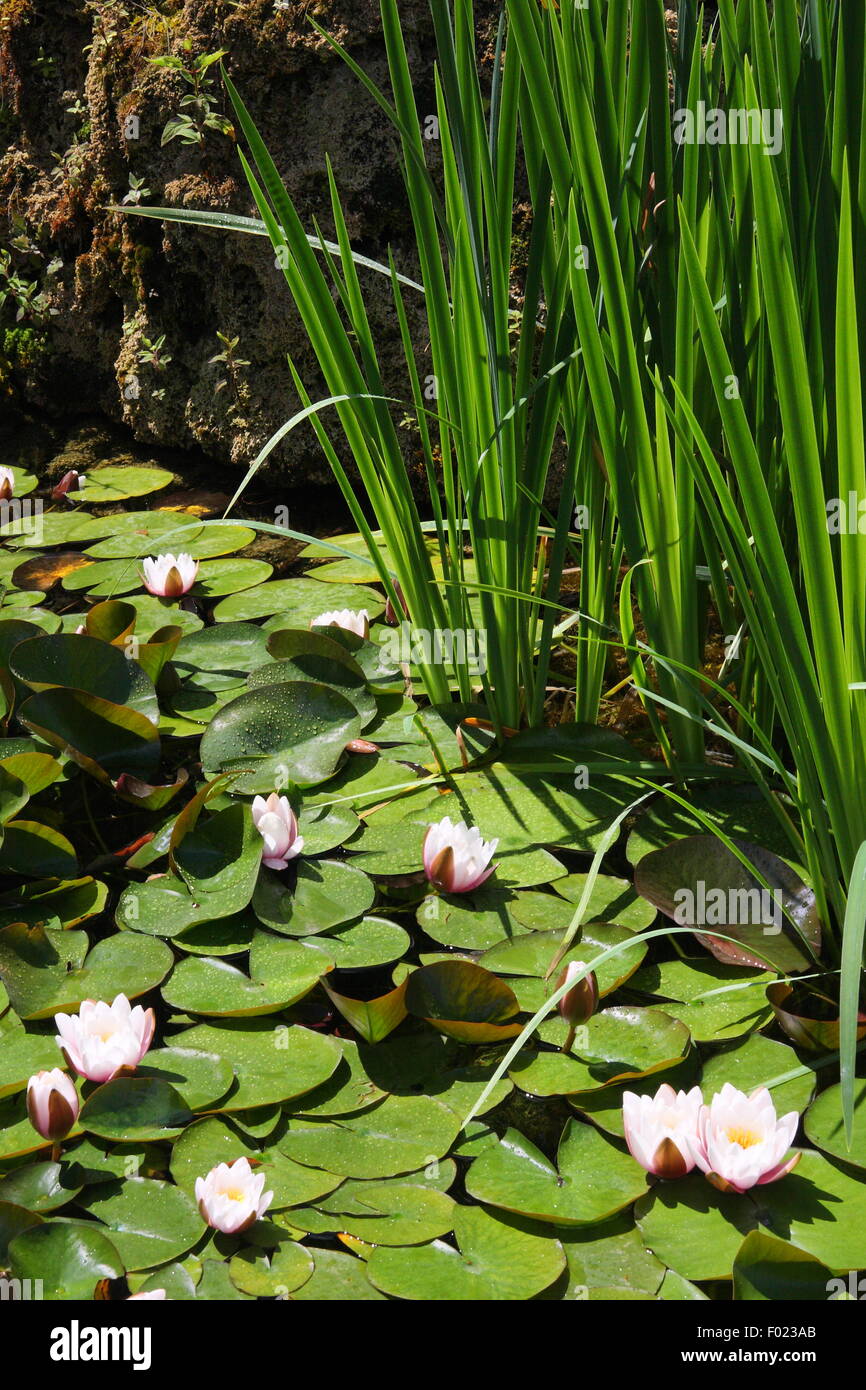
[809,1017]
[85,664]
[700,883]
[495,1260]
[37,850]
[766,1268]
[39,1187]
[463,1001]
[375,1018]
[825,1127]
[104,738]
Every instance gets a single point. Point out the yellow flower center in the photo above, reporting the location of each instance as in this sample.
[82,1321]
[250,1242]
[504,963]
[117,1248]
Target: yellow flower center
[746,1138]
[235,1194]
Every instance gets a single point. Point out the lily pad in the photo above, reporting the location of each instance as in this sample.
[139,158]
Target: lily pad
[337,1278]
[274,1274]
[115,482]
[297,601]
[325,894]
[496,1261]
[149,1222]
[39,1187]
[134,1110]
[593,1178]
[296,731]
[825,1127]
[212,1141]
[281,972]
[271,1064]
[398,1136]
[532,954]
[700,883]
[716,1002]
[68,1258]
[44,971]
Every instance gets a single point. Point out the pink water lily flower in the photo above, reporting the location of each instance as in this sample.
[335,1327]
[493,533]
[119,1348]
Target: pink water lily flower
[230,1198]
[456,858]
[741,1143]
[278,826]
[353,621]
[102,1038]
[169,576]
[154,1294]
[52,1104]
[661,1130]
[7,484]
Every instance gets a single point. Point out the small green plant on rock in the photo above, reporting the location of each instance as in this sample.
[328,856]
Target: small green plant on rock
[197,114]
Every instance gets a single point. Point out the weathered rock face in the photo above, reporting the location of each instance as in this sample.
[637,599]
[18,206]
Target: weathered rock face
[82,110]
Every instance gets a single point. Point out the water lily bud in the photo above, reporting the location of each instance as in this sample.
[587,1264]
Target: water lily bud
[70,482]
[581,1001]
[7,484]
[52,1104]
[101,1039]
[357,622]
[740,1141]
[169,576]
[277,824]
[391,616]
[661,1130]
[230,1198]
[456,858]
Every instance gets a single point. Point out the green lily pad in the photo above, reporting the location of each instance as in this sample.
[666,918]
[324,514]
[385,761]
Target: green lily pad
[103,737]
[463,1001]
[337,1278]
[37,850]
[271,1064]
[297,601]
[281,972]
[217,578]
[13,1220]
[23,1054]
[140,534]
[296,731]
[769,1269]
[532,954]
[496,1260]
[68,1258]
[134,1110]
[222,657]
[593,1178]
[149,1222]
[39,1187]
[325,894]
[115,482]
[398,1136]
[199,1078]
[759,1061]
[85,664]
[274,1274]
[348,1090]
[313,656]
[825,1127]
[68,902]
[45,972]
[361,945]
[618,1044]
[17,1135]
[716,1002]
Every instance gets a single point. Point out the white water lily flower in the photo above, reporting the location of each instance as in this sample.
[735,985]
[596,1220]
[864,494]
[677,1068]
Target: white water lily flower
[456,858]
[741,1143]
[661,1130]
[52,1104]
[277,824]
[7,484]
[169,576]
[102,1038]
[353,621]
[230,1198]
[154,1293]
